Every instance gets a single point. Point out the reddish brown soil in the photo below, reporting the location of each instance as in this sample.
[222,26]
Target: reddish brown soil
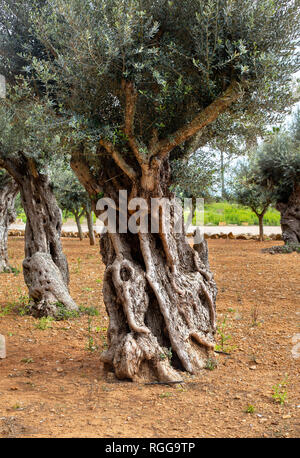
[52,385]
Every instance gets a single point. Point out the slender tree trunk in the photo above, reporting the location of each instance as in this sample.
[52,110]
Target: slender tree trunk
[45,266]
[261,227]
[77,219]
[290,218]
[89,218]
[223,192]
[158,291]
[8,193]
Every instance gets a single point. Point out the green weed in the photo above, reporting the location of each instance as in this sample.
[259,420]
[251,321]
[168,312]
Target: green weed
[280,391]
[44,323]
[250,409]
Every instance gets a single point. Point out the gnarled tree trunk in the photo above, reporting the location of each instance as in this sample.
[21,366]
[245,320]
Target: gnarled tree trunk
[158,291]
[290,218]
[8,193]
[45,266]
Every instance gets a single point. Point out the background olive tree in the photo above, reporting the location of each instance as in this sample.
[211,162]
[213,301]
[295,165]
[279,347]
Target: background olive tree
[27,147]
[278,163]
[73,198]
[247,191]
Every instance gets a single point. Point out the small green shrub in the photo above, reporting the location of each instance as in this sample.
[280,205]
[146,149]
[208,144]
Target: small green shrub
[44,323]
[165,395]
[63,313]
[91,311]
[280,391]
[211,364]
[223,336]
[250,409]
[91,345]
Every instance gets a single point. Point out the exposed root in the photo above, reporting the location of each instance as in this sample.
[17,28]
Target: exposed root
[210,302]
[202,341]
[201,268]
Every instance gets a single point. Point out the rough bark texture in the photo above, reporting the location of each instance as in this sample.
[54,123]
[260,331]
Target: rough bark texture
[8,193]
[158,291]
[290,218]
[45,266]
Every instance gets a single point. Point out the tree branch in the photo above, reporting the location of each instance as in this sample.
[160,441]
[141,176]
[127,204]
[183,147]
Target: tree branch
[207,116]
[130,107]
[13,167]
[84,175]
[117,157]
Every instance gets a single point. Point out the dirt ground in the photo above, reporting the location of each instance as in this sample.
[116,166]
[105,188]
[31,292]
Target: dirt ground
[52,383]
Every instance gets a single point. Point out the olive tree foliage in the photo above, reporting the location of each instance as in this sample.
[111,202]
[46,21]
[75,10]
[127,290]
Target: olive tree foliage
[139,83]
[247,191]
[196,176]
[278,163]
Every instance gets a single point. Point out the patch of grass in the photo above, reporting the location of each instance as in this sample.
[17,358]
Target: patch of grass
[211,364]
[280,391]
[91,311]
[223,337]
[231,213]
[27,360]
[250,409]
[44,323]
[23,307]
[63,313]
[77,268]
[104,342]
[22,216]
[91,345]
[6,310]
[167,354]
[15,271]
[167,394]
[11,270]
[17,406]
